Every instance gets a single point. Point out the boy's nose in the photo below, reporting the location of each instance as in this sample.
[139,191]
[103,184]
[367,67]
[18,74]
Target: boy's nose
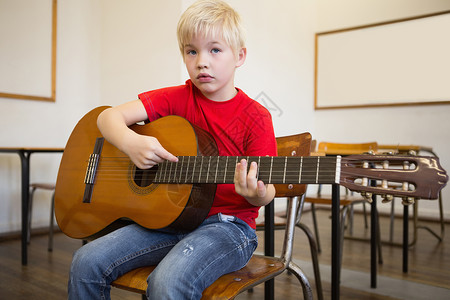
[202,62]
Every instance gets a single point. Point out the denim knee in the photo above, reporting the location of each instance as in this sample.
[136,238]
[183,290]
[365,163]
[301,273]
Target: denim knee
[165,287]
[86,265]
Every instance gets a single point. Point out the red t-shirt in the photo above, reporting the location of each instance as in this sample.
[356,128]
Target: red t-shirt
[240,127]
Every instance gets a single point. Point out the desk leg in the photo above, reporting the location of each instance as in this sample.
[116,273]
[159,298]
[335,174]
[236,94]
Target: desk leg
[25,162]
[335,242]
[405,237]
[269,247]
[373,242]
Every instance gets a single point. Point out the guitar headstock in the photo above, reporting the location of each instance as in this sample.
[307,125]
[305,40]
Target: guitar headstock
[409,177]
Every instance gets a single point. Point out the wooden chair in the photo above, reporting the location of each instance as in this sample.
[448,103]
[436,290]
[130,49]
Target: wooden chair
[348,200]
[260,268]
[280,221]
[48,187]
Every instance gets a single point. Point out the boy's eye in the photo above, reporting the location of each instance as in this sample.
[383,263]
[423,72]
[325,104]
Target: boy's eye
[191,52]
[215,50]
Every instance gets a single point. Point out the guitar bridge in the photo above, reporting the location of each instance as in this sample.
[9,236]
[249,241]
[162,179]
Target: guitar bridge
[91,170]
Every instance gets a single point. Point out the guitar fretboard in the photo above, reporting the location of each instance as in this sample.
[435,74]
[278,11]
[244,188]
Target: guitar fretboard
[271,169]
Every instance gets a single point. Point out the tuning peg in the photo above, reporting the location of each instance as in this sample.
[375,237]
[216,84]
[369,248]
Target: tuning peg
[367,196]
[387,198]
[408,200]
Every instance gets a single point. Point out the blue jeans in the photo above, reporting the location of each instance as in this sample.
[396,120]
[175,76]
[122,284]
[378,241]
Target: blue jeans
[187,262]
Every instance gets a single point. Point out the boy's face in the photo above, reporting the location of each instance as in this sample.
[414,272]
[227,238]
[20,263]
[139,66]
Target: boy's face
[211,64]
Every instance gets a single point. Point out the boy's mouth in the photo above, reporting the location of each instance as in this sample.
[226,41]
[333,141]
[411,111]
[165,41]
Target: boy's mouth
[204,77]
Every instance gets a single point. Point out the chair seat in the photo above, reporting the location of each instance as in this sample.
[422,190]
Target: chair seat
[135,280]
[278,221]
[44,186]
[326,199]
[223,288]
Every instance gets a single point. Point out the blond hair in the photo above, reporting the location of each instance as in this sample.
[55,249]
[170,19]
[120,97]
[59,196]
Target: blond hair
[210,18]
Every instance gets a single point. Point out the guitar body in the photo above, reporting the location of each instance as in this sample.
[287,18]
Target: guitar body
[116,194]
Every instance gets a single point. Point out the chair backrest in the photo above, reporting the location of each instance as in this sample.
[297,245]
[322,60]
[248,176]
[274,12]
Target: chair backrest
[346,148]
[313,146]
[293,145]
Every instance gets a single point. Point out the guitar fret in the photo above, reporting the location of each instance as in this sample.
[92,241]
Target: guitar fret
[309,170]
[170,172]
[207,171]
[226,170]
[217,168]
[338,170]
[168,168]
[233,170]
[157,174]
[181,168]
[259,165]
[301,168]
[317,172]
[193,172]
[201,165]
[187,169]
[271,165]
[175,172]
[165,171]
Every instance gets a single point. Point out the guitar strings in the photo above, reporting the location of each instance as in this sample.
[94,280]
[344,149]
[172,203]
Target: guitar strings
[119,168]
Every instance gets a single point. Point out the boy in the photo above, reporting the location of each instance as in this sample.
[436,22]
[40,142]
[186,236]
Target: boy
[211,43]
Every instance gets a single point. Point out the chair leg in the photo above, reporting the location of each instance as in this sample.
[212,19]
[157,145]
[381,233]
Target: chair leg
[315,260]
[316,228]
[50,233]
[30,213]
[391,225]
[350,220]
[343,216]
[380,253]
[306,286]
[417,226]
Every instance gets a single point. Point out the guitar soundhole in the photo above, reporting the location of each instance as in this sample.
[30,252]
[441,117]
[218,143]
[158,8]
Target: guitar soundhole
[141,181]
[144,178]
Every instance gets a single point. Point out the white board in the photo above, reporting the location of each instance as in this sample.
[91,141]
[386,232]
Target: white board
[26,48]
[404,62]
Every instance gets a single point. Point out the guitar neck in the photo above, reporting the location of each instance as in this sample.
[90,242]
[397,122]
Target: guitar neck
[271,169]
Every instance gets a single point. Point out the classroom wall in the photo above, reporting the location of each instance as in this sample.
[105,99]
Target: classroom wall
[277,72]
[110,50]
[28,123]
[424,125]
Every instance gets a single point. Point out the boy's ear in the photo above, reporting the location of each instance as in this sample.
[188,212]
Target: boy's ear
[242,54]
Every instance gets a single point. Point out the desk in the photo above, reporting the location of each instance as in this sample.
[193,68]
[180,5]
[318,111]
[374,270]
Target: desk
[24,154]
[406,150]
[344,150]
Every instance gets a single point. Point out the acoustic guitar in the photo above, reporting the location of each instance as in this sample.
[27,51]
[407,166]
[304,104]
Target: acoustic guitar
[98,185]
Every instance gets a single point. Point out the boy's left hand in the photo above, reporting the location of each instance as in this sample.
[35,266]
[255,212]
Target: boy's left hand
[249,187]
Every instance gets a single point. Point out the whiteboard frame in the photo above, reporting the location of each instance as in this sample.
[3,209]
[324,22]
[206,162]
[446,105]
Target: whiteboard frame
[362,103]
[52,96]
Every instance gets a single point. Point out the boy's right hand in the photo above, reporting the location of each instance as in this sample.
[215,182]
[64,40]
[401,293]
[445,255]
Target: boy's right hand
[145,151]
